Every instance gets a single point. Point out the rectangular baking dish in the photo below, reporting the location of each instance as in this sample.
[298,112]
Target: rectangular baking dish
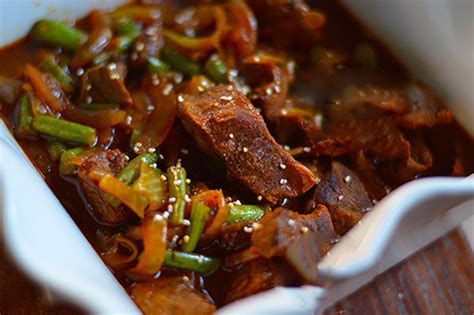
[49,247]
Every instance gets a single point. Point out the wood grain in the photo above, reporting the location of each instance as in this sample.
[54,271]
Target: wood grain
[437,280]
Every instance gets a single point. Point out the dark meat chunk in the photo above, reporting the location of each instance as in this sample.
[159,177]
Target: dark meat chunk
[256,276]
[224,123]
[106,161]
[270,83]
[377,136]
[344,195]
[171,295]
[106,84]
[282,227]
[298,26]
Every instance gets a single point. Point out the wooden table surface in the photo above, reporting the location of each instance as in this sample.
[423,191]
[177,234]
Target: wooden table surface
[437,280]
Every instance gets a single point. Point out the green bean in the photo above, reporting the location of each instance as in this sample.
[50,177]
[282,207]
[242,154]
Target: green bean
[178,189]
[50,65]
[244,213]
[216,69]
[180,62]
[132,170]
[127,27]
[156,65]
[55,33]
[65,162]
[64,130]
[56,148]
[199,214]
[191,262]
[25,118]
[98,106]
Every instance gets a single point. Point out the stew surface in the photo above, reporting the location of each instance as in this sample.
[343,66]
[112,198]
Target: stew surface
[211,150]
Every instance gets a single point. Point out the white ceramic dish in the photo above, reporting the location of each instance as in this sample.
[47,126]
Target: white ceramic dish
[60,258]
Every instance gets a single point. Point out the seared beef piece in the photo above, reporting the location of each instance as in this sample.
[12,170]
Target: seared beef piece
[256,276]
[377,136]
[298,26]
[171,295]
[282,227]
[270,83]
[344,195]
[105,161]
[106,84]
[424,108]
[224,123]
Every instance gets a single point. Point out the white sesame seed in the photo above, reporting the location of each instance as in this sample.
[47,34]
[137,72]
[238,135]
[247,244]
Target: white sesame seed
[259,198]
[304,229]
[175,238]
[185,278]
[283,181]
[172,199]
[166,214]
[187,198]
[284,111]
[158,217]
[112,66]
[151,30]
[167,89]
[231,204]
[178,77]
[286,147]
[186,222]
[155,81]
[139,144]
[88,99]
[163,177]
[139,46]
[170,208]
[88,87]
[306,149]
[79,72]
[151,150]
[200,89]
[153,165]
[185,151]
[127,158]
[114,76]
[128,120]
[268,91]
[188,181]
[237,202]
[233,72]
[248,229]
[256,226]
[347,179]
[231,135]
[340,197]
[177,182]
[226,98]
[180,98]
[291,222]
[186,238]
[282,166]
[200,259]
[161,157]
[277,89]
[245,149]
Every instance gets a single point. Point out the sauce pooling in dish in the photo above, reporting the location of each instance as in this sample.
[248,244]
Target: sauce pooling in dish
[199,145]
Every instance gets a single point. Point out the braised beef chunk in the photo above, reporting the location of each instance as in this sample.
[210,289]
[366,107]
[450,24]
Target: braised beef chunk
[256,276]
[106,84]
[105,161]
[377,136]
[225,123]
[282,227]
[344,195]
[171,295]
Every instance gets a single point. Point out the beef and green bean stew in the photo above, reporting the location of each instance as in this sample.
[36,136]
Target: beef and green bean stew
[199,144]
